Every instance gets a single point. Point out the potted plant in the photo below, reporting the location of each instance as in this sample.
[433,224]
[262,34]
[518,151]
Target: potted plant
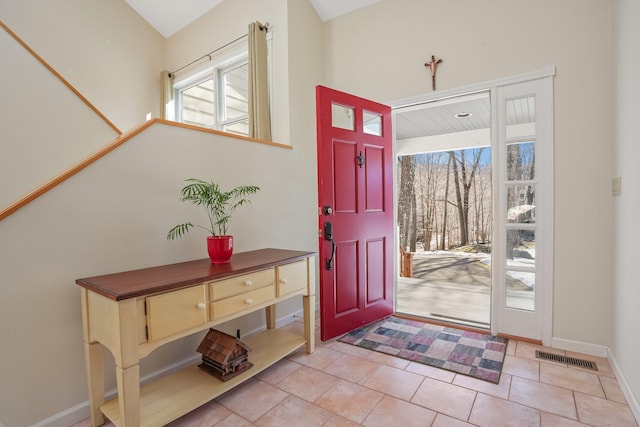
[220,206]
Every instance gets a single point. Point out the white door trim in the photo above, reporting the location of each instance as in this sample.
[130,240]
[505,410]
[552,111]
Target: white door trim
[468,89]
[535,324]
[544,268]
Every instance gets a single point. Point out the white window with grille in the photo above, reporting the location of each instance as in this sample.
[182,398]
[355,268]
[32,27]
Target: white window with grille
[216,96]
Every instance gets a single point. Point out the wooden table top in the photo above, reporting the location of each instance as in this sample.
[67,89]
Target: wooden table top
[147,281]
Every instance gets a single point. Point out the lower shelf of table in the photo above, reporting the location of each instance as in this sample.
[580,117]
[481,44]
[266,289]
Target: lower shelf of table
[174,395]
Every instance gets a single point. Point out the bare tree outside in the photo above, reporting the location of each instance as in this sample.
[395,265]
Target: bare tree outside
[445,206]
[427,184]
[407,216]
[446,198]
[520,197]
[446,215]
[459,179]
[464,174]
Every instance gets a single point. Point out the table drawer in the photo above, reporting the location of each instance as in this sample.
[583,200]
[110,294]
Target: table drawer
[241,284]
[235,304]
[291,277]
[176,311]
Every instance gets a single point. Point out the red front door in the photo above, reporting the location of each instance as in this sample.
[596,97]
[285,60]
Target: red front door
[355,186]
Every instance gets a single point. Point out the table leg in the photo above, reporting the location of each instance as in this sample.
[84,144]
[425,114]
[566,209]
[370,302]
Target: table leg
[309,307]
[94,364]
[271,316]
[128,381]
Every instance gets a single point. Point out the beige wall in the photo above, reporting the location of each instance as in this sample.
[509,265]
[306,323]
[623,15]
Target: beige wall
[379,52]
[104,48]
[305,73]
[114,215]
[625,346]
[227,22]
[34,118]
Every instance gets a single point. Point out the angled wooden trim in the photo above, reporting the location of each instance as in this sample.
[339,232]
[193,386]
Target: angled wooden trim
[72,171]
[62,79]
[112,146]
[221,133]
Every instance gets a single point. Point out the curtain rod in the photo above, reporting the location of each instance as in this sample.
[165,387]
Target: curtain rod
[264,27]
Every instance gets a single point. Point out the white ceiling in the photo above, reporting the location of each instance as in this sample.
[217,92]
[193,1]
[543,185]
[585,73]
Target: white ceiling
[170,16]
[330,9]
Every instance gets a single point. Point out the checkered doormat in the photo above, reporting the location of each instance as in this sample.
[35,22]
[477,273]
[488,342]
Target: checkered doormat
[474,354]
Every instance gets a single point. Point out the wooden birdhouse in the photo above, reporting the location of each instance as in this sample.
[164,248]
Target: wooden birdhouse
[223,355]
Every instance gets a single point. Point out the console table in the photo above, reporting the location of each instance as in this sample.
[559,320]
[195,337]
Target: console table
[133,313]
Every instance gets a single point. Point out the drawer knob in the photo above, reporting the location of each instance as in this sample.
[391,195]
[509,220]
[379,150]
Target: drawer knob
[283,281]
[201,306]
[248,301]
[248,283]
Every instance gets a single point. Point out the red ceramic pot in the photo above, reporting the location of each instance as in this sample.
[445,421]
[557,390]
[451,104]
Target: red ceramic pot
[220,249]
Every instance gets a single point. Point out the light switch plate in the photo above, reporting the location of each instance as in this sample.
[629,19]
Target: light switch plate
[616,186]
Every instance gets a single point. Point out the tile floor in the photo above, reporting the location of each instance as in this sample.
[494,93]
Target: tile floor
[343,385]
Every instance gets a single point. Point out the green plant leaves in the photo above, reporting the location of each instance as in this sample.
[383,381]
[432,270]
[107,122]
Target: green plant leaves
[179,230]
[220,205]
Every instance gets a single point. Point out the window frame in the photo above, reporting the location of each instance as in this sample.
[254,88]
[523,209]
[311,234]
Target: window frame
[215,70]
[189,84]
[221,100]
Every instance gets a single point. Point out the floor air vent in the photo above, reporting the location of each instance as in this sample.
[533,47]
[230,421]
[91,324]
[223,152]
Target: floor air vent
[573,361]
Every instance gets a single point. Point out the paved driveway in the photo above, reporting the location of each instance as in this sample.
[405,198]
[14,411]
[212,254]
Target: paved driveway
[467,270]
[452,288]
[449,288]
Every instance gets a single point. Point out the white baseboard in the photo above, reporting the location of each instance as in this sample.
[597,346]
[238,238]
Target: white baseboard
[580,347]
[81,411]
[67,417]
[626,390]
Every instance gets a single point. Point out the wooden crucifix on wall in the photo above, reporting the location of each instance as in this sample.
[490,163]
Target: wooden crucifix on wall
[433,66]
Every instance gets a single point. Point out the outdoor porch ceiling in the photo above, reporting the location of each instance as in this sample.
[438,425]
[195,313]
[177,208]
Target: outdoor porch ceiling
[439,117]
